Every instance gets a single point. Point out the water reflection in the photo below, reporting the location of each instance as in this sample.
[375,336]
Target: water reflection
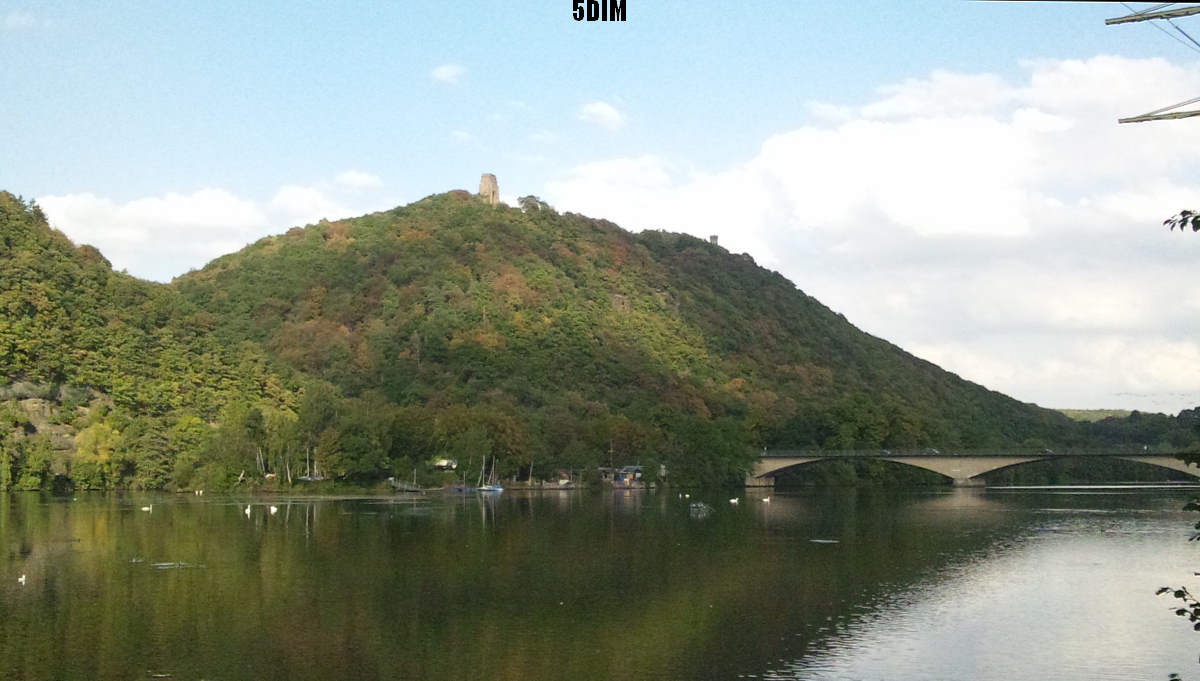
[628,585]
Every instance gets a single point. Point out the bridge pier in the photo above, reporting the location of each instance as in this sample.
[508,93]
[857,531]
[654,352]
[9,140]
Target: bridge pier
[767,481]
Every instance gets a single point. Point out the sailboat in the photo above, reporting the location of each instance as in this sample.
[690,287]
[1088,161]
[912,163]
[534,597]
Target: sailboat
[491,485]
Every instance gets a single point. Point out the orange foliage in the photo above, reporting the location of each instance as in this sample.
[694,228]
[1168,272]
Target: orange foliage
[736,385]
[512,287]
[337,236]
[415,236]
[620,253]
[561,249]
[308,345]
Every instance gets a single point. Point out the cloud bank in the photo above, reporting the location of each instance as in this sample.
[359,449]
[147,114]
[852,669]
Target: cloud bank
[161,237]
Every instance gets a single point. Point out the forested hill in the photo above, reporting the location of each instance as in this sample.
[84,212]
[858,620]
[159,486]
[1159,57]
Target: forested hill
[114,375]
[573,325]
[364,347]
[69,320]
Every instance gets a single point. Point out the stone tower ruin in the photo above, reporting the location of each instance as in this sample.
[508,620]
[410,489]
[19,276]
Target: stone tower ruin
[488,189]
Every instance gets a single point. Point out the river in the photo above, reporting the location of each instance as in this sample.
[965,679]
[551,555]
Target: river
[825,584]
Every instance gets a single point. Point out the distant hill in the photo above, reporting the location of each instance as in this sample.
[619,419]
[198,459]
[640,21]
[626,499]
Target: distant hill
[1092,415]
[362,348]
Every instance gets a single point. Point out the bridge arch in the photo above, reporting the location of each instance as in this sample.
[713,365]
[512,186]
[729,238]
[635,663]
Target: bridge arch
[963,469]
[802,462]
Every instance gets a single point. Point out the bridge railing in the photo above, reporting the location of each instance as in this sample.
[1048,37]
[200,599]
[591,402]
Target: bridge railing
[1131,450]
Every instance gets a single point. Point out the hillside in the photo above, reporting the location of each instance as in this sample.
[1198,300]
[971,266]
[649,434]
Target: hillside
[69,319]
[114,376]
[588,336]
[362,348]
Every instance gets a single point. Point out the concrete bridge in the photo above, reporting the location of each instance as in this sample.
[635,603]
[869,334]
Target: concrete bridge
[963,467]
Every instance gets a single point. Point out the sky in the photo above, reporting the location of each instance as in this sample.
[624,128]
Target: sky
[947,174]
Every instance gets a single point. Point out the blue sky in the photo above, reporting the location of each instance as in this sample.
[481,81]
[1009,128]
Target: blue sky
[947,173]
[129,99]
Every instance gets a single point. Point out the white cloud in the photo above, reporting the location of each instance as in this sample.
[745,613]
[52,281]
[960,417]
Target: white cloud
[160,237]
[1008,230]
[448,73]
[17,20]
[941,94]
[306,205]
[543,137]
[461,136]
[358,179]
[603,114]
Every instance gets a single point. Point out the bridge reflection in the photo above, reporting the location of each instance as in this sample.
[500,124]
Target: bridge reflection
[799,506]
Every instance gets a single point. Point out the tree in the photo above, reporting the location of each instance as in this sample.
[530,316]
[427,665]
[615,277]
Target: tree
[282,442]
[97,462]
[232,445]
[1183,219]
[8,451]
[327,455]
[318,413]
[532,204]
[1189,605]
[187,439]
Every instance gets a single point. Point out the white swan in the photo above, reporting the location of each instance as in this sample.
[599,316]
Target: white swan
[21,580]
[274,510]
[247,510]
[148,509]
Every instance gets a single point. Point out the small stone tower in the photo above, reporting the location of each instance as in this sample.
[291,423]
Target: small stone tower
[488,189]
[712,239]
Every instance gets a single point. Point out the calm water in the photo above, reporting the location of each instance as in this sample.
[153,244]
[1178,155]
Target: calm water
[1005,585]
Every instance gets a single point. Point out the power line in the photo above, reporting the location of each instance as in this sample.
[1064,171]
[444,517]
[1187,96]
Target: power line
[1193,47]
[1146,15]
[1160,12]
[1167,12]
[1165,113]
[1185,34]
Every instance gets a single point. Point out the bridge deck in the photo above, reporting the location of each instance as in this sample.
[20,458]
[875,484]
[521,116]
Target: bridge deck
[934,452]
[962,466]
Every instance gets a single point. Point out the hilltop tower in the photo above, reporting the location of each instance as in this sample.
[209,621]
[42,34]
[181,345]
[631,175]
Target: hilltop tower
[489,189]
